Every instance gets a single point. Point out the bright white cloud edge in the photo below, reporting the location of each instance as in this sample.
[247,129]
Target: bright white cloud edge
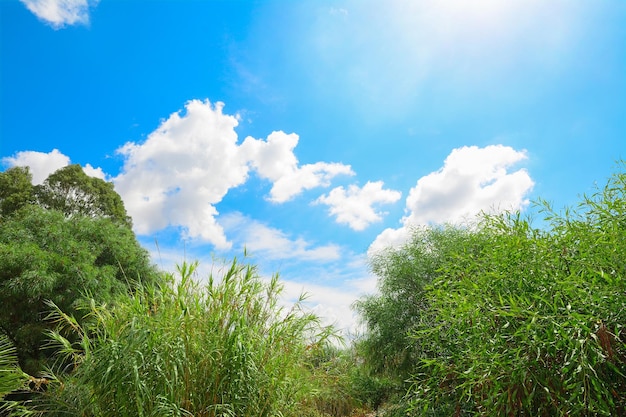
[61,13]
[354,206]
[190,162]
[472,180]
[41,164]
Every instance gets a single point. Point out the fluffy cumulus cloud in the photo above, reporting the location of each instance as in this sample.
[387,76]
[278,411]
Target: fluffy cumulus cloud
[472,180]
[355,206]
[190,162]
[41,164]
[274,160]
[60,13]
[181,171]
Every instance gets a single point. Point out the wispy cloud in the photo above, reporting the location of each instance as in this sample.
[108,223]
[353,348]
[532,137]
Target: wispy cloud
[61,13]
[472,180]
[272,244]
[355,206]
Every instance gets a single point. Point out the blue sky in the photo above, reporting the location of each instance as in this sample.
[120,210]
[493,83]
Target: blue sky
[313,132]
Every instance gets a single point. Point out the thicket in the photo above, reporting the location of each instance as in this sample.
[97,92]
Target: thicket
[227,348]
[102,333]
[501,318]
[492,318]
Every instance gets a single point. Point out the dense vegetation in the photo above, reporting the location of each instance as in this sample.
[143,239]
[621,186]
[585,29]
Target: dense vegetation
[65,241]
[500,318]
[493,318]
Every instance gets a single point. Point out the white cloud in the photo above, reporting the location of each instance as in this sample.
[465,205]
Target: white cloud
[272,244]
[185,167]
[95,172]
[331,304]
[389,238]
[274,160]
[59,13]
[354,206]
[41,164]
[191,161]
[472,180]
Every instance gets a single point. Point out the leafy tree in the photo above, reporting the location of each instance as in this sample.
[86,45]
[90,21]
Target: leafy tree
[16,190]
[71,191]
[46,256]
[402,305]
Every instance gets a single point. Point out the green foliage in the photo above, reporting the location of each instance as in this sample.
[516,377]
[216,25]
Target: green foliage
[226,348]
[370,390]
[16,190]
[332,393]
[507,319]
[402,304]
[46,256]
[11,376]
[72,192]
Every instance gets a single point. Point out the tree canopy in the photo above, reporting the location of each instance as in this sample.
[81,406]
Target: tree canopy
[63,241]
[16,190]
[71,191]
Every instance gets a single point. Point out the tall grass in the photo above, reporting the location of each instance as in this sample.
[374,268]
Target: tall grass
[223,348]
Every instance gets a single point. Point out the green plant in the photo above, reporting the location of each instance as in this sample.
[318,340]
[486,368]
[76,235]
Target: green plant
[226,348]
[11,376]
[533,323]
[403,303]
[500,318]
[46,256]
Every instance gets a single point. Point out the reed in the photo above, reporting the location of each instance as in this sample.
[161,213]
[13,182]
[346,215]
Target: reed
[225,347]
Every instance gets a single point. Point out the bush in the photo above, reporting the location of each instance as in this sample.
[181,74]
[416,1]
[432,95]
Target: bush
[533,324]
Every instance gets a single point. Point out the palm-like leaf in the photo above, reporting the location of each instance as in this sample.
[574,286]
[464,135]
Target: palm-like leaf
[11,376]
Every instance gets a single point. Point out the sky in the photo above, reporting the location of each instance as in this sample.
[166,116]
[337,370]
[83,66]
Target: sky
[311,134]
